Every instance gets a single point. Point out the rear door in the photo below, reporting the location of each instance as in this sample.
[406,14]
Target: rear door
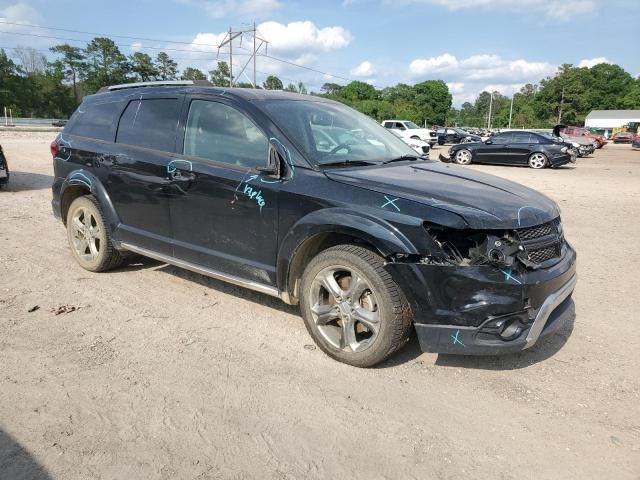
[137,170]
[224,217]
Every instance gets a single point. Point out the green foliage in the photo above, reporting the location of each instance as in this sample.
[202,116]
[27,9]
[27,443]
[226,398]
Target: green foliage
[142,67]
[191,73]
[104,64]
[221,76]
[273,83]
[166,67]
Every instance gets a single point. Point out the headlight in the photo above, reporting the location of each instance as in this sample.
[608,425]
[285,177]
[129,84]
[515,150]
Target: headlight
[413,145]
[564,149]
[577,145]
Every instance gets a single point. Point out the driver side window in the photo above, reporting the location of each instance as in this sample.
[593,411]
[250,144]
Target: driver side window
[221,133]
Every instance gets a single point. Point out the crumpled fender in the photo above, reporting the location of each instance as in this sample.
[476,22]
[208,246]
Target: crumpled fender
[371,229]
[89,181]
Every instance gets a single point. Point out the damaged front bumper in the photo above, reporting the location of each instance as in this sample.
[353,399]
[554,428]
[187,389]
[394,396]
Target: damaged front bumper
[487,310]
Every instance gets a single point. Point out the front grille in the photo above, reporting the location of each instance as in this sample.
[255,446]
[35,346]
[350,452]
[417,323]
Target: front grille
[542,242]
[541,255]
[538,231]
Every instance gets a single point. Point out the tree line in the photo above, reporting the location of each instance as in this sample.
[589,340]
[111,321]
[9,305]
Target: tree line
[32,85]
[566,97]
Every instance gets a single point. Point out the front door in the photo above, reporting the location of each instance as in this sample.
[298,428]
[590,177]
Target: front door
[224,214]
[496,151]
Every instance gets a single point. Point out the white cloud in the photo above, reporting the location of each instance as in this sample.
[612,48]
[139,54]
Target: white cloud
[590,62]
[507,89]
[222,8]
[478,68]
[456,87]
[19,12]
[365,69]
[429,66]
[295,38]
[561,9]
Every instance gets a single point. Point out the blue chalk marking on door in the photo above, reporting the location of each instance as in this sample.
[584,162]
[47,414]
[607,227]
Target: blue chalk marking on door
[173,165]
[455,339]
[391,202]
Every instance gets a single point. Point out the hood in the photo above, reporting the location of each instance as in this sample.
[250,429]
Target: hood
[483,201]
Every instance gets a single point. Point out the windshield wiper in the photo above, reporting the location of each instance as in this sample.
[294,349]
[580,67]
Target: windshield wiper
[346,163]
[400,159]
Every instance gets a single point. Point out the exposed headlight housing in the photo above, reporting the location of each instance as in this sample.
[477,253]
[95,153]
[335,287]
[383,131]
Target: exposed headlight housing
[564,149]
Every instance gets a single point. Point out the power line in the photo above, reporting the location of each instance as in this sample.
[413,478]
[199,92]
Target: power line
[288,62]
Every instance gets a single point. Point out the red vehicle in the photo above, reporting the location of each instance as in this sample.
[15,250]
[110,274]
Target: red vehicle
[583,132]
[623,137]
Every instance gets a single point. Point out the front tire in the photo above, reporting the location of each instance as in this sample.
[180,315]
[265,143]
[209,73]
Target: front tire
[89,237]
[538,161]
[463,157]
[352,307]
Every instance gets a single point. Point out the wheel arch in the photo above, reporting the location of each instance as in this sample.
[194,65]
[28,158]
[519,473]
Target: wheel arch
[81,182]
[326,228]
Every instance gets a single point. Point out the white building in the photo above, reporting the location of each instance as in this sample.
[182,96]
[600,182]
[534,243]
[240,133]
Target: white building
[607,120]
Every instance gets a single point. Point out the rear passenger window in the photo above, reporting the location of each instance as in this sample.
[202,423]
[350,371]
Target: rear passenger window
[94,120]
[149,123]
[221,133]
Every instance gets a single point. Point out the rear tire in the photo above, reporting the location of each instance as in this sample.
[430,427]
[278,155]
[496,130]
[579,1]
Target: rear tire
[538,161]
[352,308]
[89,236]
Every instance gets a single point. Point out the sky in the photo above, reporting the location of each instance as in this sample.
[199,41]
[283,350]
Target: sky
[473,45]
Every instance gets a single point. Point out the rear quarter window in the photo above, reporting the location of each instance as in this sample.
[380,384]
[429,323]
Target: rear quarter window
[150,123]
[94,120]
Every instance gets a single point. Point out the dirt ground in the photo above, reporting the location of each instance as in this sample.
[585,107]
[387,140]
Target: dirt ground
[161,373]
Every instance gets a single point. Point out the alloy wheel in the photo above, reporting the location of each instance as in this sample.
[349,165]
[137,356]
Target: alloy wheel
[344,308]
[86,234]
[538,160]
[463,157]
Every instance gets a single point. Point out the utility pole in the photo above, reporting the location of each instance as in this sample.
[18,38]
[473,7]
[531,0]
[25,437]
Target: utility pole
[490,108]
[511,109]
[228,39]
[561,105]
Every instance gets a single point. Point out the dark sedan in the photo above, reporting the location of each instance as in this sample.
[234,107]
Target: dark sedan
[455,135]
[515,148]
[4,169]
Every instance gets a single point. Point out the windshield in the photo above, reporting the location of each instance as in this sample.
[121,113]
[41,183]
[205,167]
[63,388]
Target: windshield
[332,133]
[411,125]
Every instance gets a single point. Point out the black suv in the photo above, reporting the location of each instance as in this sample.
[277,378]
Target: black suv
[4,169]
[308,200]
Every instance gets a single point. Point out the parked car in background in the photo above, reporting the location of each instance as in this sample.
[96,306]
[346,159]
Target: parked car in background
[59,123]
[4,169]
[420,147]
[623,137]
[448,135]
[583,145]
[583,132]
[408,129]
[240,185]
[514,148]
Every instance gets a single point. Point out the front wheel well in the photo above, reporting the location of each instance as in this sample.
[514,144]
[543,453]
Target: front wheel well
[70,194]
[311,247]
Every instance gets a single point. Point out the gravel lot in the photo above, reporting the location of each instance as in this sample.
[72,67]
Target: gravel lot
[161,373]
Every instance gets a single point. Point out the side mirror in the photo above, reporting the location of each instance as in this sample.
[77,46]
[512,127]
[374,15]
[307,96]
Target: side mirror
[276,159]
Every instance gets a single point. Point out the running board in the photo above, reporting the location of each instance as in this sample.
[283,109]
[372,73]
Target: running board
[240,282]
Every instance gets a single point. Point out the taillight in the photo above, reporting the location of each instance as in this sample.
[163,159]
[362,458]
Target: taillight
[55,148]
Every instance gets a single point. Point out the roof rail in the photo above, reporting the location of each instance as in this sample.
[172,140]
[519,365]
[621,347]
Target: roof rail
[159,83]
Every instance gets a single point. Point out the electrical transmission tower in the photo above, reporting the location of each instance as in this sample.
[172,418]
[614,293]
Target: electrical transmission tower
[252,36]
